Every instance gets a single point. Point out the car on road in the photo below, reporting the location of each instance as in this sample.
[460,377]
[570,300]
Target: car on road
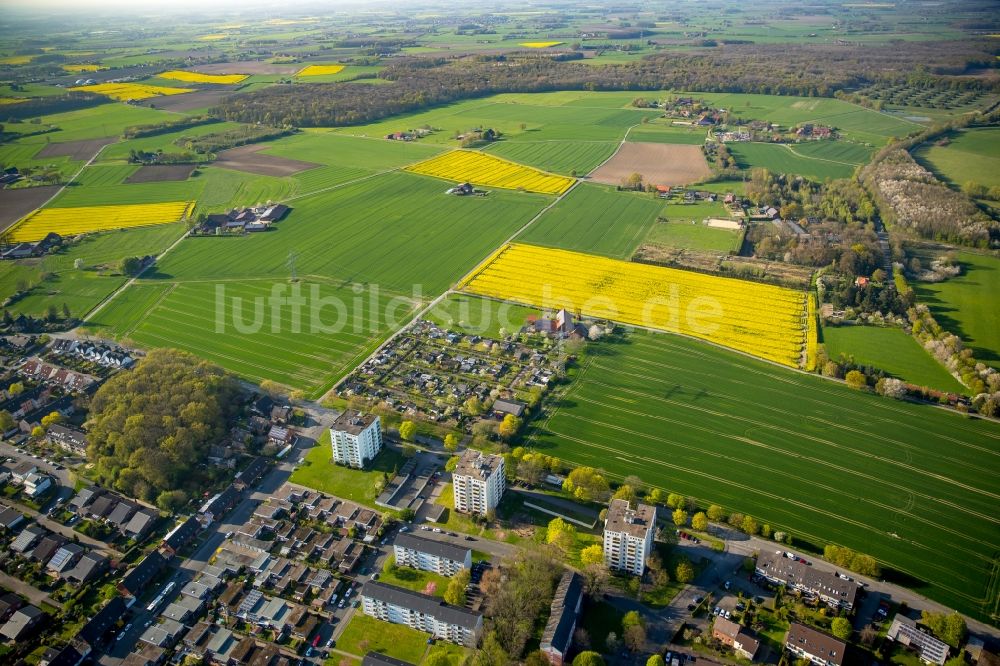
[424,527]
[229,534]
[469,538]
[375,576]
[404,528]
[124,631]
[330,643]
[728,585]
[438,530]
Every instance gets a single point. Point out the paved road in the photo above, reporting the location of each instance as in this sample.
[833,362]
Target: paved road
[33,594]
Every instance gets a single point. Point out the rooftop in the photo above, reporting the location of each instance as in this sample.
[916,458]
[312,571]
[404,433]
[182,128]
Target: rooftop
[635,522]
[477,464]
[431,547]
[424,603]
[828,583]
[353,422]
[816,643]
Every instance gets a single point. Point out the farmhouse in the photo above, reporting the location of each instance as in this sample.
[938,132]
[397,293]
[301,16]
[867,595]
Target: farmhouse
[421,612]
[819,648]
[563,615]
[242,220]
[478,482]
[628,536]
[905,632]
[429,555]
[830,588]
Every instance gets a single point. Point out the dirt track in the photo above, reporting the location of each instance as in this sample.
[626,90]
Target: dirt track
[659,164]
[251,160]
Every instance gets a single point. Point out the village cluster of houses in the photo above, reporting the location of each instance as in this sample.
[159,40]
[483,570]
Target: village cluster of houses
[429,372]
[27,250]
[268,423]
[408,135]
[103,354]
[31,404]
[242,220]
[56,376]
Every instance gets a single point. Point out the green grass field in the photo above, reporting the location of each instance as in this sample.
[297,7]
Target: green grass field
[415,579]
[365,634]
[658,133]
[564,157]
[966,305]
[697,236]
[892,350]
[232,323]
[914,486]
[595,218]
[972,154]
[352,484]
[779,158]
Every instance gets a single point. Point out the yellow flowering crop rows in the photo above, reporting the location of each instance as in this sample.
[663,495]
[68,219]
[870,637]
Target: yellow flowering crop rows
[484,169]
[320,70]
[759,319]
[213,37]
[195,77]
[540,45]
[83,219]
[82,67]
[125,91]
[16,60]
[812,334]
[12,100]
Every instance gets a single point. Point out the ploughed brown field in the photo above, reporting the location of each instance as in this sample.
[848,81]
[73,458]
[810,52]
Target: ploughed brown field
[189,101]
[80,151]
[156,173]
[659,164]
[15,204]
[251,160]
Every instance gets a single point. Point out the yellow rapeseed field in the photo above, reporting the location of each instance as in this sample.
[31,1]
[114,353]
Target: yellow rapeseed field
[212,38]
[540,45]
[11,100]
[320,70]
[125,91]
[812,334]
[82,67]
[195,77]
[485,169]
[84,219]
[17,60]
[759,319]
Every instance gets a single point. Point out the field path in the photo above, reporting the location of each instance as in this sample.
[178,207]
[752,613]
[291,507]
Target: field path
[818,159]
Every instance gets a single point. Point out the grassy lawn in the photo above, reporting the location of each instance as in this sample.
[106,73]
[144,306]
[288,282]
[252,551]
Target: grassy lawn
[415,579]
[456,653]
[966,305]
[352,484]
[366,634]
[901,482]
[971,154]
[600,619]
[892,350]
[479,316]
[780,158]
[693,235]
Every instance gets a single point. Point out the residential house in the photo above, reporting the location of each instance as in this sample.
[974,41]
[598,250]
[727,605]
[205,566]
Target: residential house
[69,439]
[422,612]
[819,648]
[122,513]
[906,632]
[22,623]
[145,655]
[628,536]
[355,438]
[828,586]
[64,559]
[440,557]
[95,632]
[280,436]
[180,536]
[27,539]
[135,581]
[9,602]
[563,616]
[220,504]
[478,482]
[88,567]
[37,484]
[251,474]
[10,518]
[140,524]
[503,407]
[47,547]
[740,639]
[164,635]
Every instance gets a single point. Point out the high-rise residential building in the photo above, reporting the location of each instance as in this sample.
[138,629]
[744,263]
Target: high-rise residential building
[479,482]
[355,438]
[628,536]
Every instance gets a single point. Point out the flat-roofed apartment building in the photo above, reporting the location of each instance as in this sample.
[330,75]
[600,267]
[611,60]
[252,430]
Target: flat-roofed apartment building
[440,557]
[828,586]
[628,536]
[421,612]
[478,482]
[355,438]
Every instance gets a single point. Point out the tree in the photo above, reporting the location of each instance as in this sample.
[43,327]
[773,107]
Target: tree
[451,442]
[473,406]
[172,500]
[656,496]
[750,526]
[856,379]
[684,571]
[407,429]
[716,513]
[635,637]
[868,634]
[491,653]
[409,450]
[452,463]
[560,534]
[7,422]
[656,660]
[675,501]
[592,554]
[587,484]
[536,658]
[51,418]
[455,593]
[626,492]
[949,628]
[680,517]
[699,521]
[632,182]
[37,431]
[131,265]
[631,619]
[841,628]
[509,426]
[589,658]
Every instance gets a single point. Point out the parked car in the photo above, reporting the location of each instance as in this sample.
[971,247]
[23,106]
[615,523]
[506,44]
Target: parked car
[727,585]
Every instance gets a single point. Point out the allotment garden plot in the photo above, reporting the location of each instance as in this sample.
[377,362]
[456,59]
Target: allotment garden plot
[913,486]
[759,319]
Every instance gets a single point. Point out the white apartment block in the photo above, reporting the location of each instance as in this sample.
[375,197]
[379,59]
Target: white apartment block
[421,612]
[355,438]
[479,481]
[440,557]
[628,536]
